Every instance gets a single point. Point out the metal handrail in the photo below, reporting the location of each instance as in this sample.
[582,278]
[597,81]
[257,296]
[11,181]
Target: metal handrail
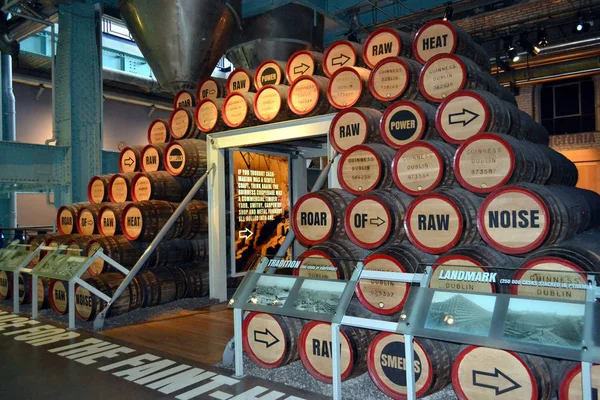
[99,321]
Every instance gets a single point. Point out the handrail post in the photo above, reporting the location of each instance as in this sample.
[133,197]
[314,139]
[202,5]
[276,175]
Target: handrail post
[99,321]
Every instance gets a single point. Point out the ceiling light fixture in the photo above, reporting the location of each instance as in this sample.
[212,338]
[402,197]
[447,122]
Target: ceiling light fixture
[448,13]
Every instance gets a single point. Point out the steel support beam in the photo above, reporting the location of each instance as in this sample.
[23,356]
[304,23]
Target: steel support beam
[79,96]
[33,165]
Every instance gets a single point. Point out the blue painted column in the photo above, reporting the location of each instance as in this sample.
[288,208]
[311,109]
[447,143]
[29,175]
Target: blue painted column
[79,95]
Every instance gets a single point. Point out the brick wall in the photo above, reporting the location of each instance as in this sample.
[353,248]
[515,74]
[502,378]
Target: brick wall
[526,100]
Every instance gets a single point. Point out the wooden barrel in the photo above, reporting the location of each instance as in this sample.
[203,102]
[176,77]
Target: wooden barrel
[43,292]
[240,80]
[445,74]
[443,37]
[333,259]
[208,116]
[109,219]
[66,217]
[407,121]
[271,341]
[376,218]
[269,72]
[119,187]
[143,220]
[195,220]
[447,217]
[179,252]
[183,125]
[307,96]
[303,63]
[197,278]
[159,131]
[319,216]
[354,126]
[24,288]
[116,247]
[153,157]
[395,78]
[316,352]
[6,285]
[386,361]
[161,185]
[518,219]
[571,383]
[98,189]
[385,297]
[366,167]
[129,159]
[35,242]
[385,42]
[78,244]
[238,110]
[86,219]
[270,104]
[149,287]
[348,88]
[185,98]
[420,167]
[467,113]
[88,305]
[340,54]
[57,240]
[186,158]
[480,372]
[487,161]
[211,88]
[171,285]
[59,297]
[464,269]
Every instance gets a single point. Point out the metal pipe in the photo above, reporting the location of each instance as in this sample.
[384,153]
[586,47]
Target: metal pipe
[558,69]
[10,5]
[35,81]
[9,108]
[99,321]
[289,239]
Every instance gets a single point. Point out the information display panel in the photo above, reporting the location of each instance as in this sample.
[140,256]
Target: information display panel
[260,205]
[60,266]
[13,257]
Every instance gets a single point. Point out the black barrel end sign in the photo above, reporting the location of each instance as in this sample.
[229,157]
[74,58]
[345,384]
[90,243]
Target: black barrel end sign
[402,125]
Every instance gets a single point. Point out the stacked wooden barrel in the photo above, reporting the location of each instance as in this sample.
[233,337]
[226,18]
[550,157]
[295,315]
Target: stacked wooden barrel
[125,212]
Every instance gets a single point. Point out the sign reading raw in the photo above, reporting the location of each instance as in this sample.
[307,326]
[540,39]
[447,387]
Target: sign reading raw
[261,205]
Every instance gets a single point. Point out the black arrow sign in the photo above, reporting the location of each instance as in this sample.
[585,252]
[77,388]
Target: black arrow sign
[465,117]
[299,69]
[212,91]
[377,221]
[266,333]
[498,381]
[128,161]
[342,56]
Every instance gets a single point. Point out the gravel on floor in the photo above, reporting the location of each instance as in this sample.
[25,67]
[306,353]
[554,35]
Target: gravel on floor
[296,376]
[131,318]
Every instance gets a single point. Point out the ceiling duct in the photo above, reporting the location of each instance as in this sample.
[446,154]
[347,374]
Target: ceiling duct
[278,34]
[182,40]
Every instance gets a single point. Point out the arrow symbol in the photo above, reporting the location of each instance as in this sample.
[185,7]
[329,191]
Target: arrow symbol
[212,91]
[342,56]
[465,117]
[245,234]
[128,162]
[501,383]
[377,221]
[266,333]
[299,70]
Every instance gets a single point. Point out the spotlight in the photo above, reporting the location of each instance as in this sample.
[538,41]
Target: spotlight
[527,46]
[448,13]
[510,50]
[542,38]
[582,26]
